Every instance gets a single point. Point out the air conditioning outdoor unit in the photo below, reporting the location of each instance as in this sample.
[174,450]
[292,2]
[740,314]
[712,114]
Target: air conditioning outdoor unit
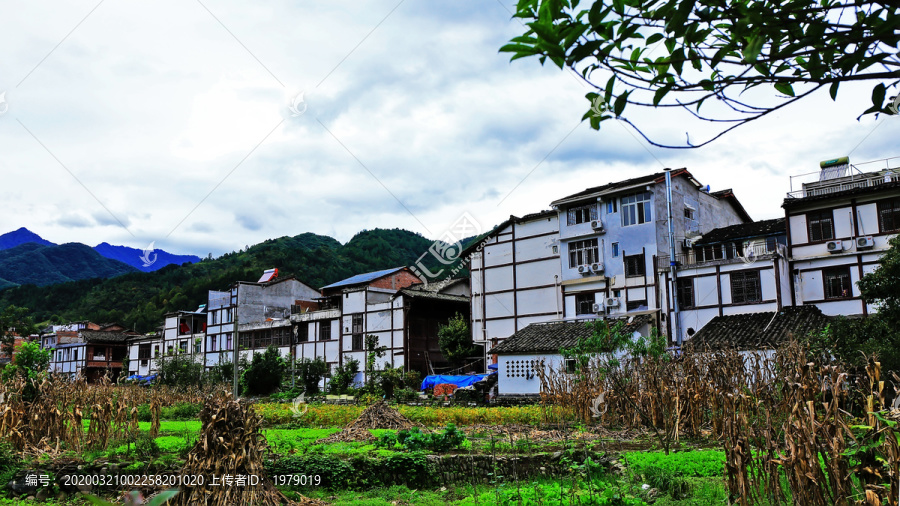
[597,225]
[584,269]
[598,308]
[834,246]
[597,267]
[688,243]
[612,302]
[865,242]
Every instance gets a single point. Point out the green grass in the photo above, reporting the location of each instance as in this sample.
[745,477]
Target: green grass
[696,463]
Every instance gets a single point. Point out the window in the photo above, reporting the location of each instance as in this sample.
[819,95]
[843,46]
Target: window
[302,332]
[197,345]
[745,287]
[570,366]
[837,283]
[584,303]
[583,252]
[707,253]
[182,347]
[357,324]
[143,351]
[889,215]
[228,315]
[325,331]
[615,250]
[612,207]
[635,304]
[634,265]
[170,350]
[212,343]
[555,249]
[155,351]
[214,318]
[689,214]
[582,214]
[685,293]
[821,226]
[636,209]
[228,343]
[74,354]
[357,342]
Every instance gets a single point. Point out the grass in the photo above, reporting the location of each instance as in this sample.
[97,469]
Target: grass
[697,463]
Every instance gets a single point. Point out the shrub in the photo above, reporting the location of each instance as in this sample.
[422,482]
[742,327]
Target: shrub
[310,373]
[342,379]
[181,411]
[334,473]
[405,395]
[416,440]
[180,371]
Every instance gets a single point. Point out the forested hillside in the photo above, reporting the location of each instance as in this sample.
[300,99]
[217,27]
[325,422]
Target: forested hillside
[139,299]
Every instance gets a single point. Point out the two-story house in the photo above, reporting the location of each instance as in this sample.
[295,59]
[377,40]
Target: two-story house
[88,349]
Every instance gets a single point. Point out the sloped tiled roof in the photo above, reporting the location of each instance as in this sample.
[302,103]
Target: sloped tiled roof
[650,178]
[743,231]
[433,290]
[551,336]
[93,336]
[360,279]
[757,331]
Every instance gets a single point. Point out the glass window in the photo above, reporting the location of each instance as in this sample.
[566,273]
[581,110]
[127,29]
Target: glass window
[357,324]
[324,331]
[634,265]
[584,303]
[612,207]
[686,293]
[821,226]
[357,342]
[582,214]
[615,249]
[745,287]
[583,252]
[635,304]
[889,215]
[636,209]
[837,283]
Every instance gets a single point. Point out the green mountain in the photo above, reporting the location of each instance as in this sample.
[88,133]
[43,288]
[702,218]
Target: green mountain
[140,299]
[38,264]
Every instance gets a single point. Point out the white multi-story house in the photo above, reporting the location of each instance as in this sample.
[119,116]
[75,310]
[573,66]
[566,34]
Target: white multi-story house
[183,333]
[838,226]
[515,275]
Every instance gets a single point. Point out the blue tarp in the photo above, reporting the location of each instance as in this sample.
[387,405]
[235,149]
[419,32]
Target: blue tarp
[459,381]
[137,377]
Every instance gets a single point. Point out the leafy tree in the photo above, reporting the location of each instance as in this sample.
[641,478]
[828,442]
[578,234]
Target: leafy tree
[343,377]
[14,321]
[455,340]
[389,379]
[179,370]
[685,54]
[882,286]
[31,363]
[310,372]
[265,372]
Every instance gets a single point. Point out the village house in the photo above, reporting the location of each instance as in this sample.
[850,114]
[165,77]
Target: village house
[838,226]
[89,349]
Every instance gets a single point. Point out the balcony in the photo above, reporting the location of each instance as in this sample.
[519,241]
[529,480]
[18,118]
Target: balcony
[103,364]
[849,178]
[718,254]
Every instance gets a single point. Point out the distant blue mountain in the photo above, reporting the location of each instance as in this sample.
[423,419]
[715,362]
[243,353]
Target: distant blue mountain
[145,261]
[21,236]
[151,261]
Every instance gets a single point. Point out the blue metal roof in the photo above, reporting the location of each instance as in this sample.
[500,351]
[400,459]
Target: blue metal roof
[363,278]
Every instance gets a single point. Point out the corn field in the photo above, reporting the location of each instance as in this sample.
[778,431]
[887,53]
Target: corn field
[796,429]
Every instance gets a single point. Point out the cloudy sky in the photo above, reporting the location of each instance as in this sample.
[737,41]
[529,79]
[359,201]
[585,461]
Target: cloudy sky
[130,122]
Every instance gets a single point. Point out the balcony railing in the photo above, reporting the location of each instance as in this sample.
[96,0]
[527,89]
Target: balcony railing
[725,253]
[103,364]
[851,182]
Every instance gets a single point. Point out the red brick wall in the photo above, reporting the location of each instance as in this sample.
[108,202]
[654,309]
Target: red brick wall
[397,280]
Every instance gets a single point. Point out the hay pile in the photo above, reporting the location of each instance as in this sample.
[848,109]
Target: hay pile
[230,445]
[376,416]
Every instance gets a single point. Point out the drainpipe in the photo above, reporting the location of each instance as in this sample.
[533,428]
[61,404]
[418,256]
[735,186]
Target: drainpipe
[676,327]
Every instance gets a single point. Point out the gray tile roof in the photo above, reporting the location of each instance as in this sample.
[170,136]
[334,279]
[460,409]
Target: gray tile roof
[743,231]
[757,331]
[92,336]
[551,336]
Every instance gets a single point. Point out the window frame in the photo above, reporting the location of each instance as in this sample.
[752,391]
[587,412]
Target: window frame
[357,343]
[881,208]
[581,214]
[686,287]
[637,208]
[582,298]
[642,264]
[614,249]
[820,218]
[632,305]
[586,248]
[738,280]
[325,330]
[844,270]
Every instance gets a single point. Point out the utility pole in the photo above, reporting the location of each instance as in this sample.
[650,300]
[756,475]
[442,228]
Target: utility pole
[234,337]
[672,263]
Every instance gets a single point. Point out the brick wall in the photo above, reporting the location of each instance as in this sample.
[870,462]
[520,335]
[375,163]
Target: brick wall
[396,281]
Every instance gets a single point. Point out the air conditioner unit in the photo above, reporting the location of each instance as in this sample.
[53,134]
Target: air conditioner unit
[612,302]
[598,308]
[834,246]
[584,269]
[597,225]
[865,242]
[688,243]
[597,267]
